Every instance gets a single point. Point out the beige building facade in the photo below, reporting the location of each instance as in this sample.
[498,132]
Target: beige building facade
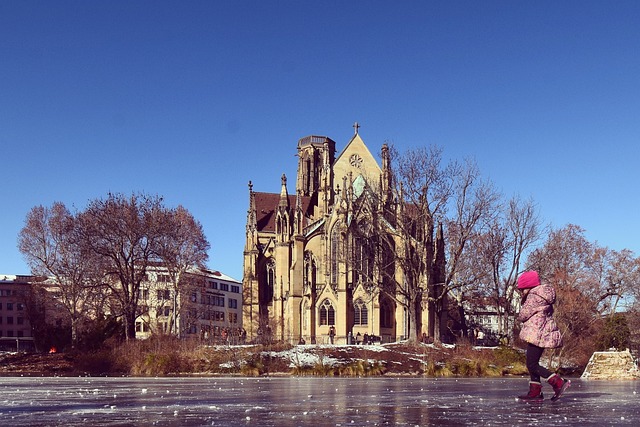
[308,276]
[207,305]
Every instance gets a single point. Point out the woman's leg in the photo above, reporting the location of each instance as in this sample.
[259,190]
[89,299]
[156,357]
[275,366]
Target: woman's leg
[534,353]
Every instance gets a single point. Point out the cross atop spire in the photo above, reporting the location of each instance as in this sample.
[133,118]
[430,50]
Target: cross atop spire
[356,126]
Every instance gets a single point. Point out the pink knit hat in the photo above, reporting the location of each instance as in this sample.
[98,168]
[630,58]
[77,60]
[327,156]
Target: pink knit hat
[528,279]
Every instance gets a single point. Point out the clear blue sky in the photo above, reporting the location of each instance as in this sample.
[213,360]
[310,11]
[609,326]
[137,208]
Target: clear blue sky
[192,99]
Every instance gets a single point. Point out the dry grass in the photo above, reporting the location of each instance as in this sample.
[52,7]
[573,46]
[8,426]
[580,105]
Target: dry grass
[171,357]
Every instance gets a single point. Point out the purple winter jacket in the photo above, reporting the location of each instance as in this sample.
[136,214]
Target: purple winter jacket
[539,328]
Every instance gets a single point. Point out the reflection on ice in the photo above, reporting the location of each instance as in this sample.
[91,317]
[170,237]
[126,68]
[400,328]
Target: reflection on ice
[403,401]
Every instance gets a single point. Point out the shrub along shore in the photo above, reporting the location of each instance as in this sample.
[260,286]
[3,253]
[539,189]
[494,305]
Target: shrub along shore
[173,357]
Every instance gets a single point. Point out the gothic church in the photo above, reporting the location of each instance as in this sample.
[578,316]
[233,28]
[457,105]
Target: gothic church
[298,283]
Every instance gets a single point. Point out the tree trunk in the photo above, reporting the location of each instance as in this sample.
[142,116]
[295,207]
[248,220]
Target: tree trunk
[414,309]
[74,332]
[463,321]
[130,325]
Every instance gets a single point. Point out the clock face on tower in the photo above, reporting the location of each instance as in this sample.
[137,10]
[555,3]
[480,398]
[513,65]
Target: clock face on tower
[355,160]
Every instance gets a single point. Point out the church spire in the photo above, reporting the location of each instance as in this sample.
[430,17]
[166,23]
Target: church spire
[386,173]
[252,221]
[284,195]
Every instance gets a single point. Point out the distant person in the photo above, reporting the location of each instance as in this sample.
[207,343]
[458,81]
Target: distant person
[539,331]
[332,334]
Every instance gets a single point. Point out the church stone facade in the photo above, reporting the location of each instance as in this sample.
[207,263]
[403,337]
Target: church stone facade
[300,280]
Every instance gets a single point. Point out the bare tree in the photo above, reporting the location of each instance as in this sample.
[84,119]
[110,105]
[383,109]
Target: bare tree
[405,225]
[500,252]
[404,232]
[621,280]
[182,246]
[474,206]
[52,245]
[125,232]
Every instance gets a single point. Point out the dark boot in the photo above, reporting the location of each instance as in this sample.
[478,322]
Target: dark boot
[535,392]
[559,385]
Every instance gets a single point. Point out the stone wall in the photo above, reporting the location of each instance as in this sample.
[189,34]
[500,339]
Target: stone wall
[611,365]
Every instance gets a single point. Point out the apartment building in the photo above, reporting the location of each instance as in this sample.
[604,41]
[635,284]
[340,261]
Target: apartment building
[15,329]
[206,304]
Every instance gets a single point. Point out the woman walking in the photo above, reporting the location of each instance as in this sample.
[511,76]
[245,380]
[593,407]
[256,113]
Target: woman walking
[539,331]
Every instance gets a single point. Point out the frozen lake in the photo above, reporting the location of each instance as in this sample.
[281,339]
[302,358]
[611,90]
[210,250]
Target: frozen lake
[293,401]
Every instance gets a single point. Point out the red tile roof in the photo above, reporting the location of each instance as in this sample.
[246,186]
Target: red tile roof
[266,205]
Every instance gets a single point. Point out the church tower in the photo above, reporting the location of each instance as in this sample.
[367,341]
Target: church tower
[316,155]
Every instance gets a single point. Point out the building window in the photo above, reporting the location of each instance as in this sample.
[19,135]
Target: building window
[335,244]
[140,327]
[224,286]
[9,306]
[20,320]
[9,320]
[164,294]
[361,314]
[363,255]
[327,313]
[386,315]
[271,279]
[235,289]
[305,317]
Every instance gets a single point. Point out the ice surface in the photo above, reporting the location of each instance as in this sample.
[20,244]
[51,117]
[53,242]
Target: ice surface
[302,401]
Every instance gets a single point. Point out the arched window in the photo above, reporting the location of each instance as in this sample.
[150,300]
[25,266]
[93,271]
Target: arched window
[271,279]
[364,254]
[327,313]
[307,175]
[305,317]
[386,315]
[335,249]
[361,313]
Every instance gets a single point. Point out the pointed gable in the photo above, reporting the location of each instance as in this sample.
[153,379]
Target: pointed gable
[357,160]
